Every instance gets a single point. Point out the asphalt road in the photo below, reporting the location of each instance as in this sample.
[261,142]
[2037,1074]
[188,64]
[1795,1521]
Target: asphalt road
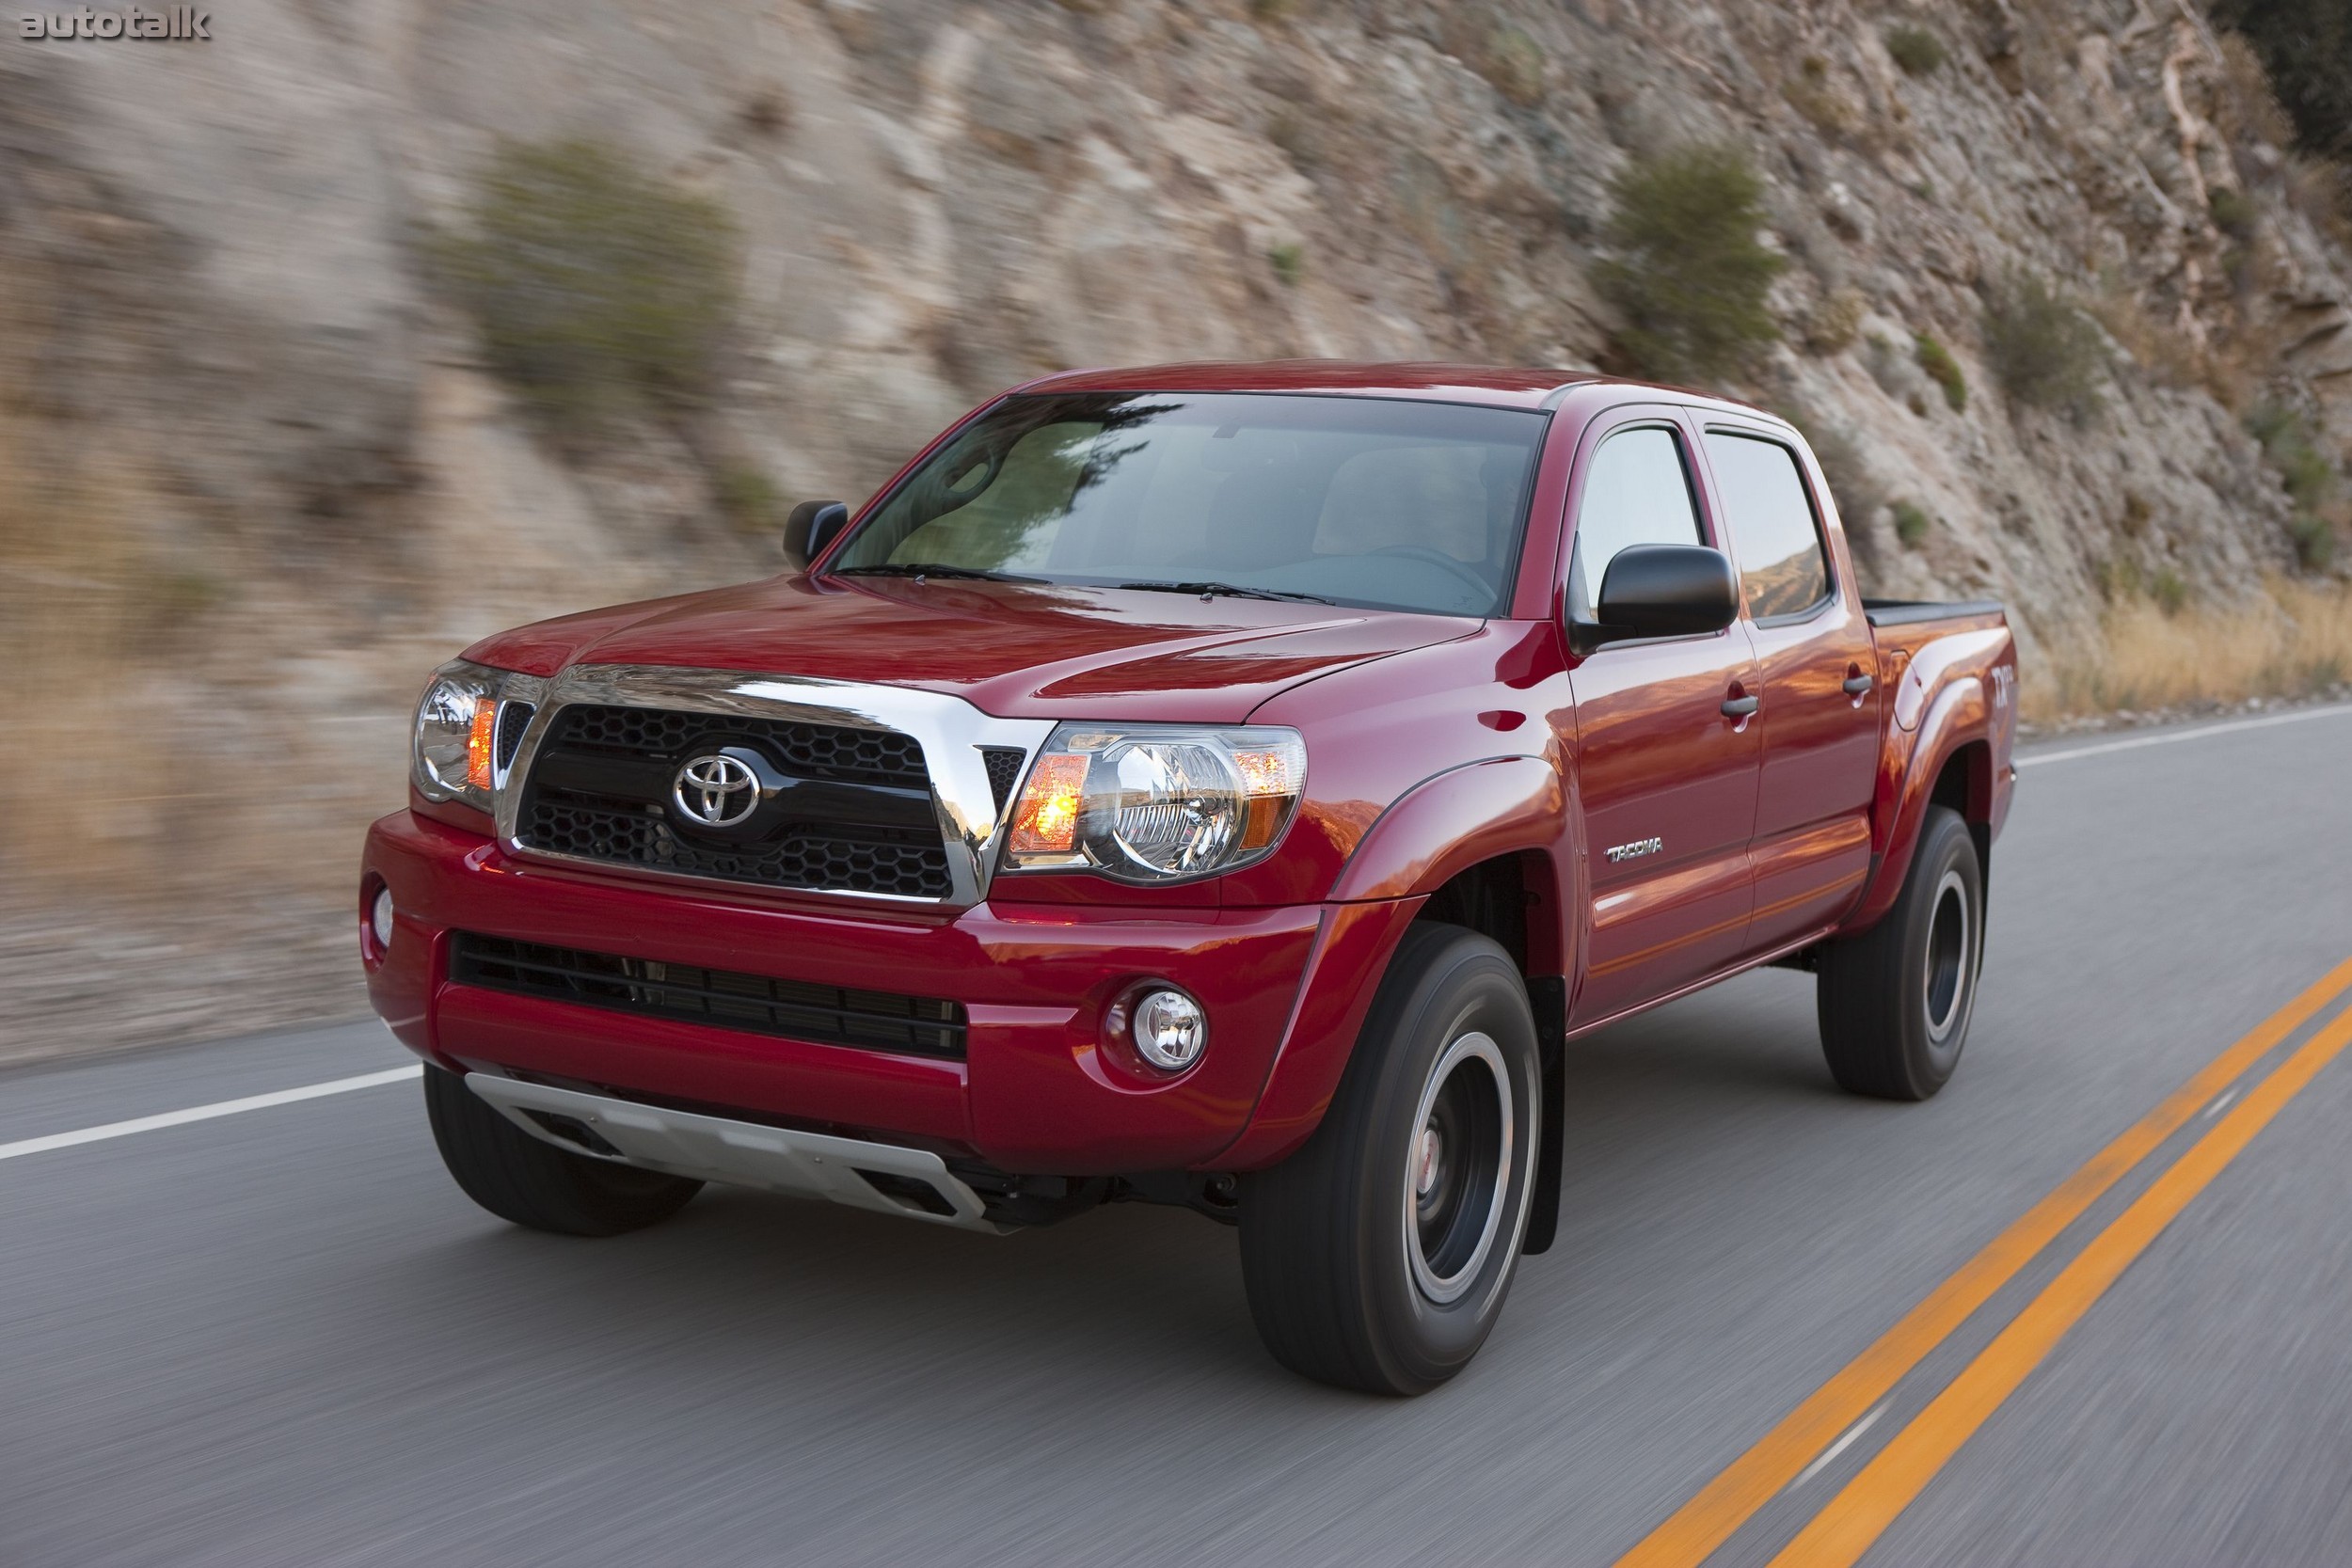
[282,1337]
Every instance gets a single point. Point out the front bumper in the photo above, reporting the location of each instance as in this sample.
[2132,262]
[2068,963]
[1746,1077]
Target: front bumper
[1034,1092]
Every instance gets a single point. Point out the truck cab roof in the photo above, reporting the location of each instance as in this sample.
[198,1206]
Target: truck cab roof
[1493,386]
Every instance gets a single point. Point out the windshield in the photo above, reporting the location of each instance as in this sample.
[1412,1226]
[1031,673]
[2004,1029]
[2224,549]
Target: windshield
[1353,500]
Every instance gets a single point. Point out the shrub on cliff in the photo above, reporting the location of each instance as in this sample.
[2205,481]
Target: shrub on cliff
[1914,49]
[2046,353]
[2310,480]
[1689,277]
[597,289]
[2306,46]
[1931,356]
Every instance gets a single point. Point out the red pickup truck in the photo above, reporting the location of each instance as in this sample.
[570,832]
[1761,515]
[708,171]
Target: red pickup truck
[1225,785]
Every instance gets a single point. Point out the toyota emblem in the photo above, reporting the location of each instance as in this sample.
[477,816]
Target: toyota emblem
[716,791]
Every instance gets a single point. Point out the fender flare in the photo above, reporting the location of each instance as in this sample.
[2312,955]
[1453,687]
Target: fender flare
[1961,715]
[1518,804]
[1515,805]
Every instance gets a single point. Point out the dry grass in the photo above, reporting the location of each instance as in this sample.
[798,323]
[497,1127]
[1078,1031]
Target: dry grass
[155,757]
[178,837]
[2297,643]
[79,778]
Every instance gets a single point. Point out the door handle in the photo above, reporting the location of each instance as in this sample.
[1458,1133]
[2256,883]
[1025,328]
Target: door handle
[1740,707]
[1857,685]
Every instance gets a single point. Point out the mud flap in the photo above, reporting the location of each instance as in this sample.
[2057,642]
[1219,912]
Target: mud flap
[1548,995]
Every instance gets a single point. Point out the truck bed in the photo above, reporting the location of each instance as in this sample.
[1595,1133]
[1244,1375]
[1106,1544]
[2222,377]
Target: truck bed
[1904,613]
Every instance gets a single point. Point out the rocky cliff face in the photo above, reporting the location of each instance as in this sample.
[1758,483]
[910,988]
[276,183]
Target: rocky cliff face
[261,482]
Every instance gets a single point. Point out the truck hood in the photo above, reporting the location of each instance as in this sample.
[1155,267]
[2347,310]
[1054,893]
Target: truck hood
[1012,650]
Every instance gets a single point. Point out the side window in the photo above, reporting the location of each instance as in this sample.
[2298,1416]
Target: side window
[1637,492]
[1773,532]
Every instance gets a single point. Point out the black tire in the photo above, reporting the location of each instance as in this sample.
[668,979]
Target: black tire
[519,1178]
[1362,1253]
[1895,1001]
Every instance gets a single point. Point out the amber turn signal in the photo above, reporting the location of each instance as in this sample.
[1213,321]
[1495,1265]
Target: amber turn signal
[481,740]
[1046,820]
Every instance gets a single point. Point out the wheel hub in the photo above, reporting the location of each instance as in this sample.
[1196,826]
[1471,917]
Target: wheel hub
[1950,958]
[1459,1168]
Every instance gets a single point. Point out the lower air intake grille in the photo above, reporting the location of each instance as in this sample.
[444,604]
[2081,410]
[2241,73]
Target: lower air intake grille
[762,1005]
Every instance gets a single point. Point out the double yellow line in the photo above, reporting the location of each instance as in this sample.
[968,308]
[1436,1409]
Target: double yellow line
[1852,1520]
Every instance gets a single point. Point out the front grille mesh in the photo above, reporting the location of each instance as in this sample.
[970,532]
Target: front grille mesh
[758,1004]
[879,860]
[514,717]
[806,751]
[1004,771]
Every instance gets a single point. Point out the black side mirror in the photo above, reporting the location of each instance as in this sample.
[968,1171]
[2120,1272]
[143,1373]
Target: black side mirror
[812,525]
[1665,590]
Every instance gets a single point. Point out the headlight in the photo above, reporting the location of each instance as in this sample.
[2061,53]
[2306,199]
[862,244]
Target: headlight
[461,749]
[1155,802]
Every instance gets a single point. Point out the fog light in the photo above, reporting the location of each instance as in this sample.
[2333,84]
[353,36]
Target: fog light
[380,918]
[1170,1030]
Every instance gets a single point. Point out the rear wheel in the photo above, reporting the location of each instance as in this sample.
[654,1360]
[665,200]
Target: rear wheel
[1895,1001]
[519,1178]
[1379,1256]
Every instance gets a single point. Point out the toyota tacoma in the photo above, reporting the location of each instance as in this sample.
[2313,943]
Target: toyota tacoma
[1222,786]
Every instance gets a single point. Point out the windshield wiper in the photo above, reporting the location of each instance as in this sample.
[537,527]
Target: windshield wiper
[927,569]
[1224,590]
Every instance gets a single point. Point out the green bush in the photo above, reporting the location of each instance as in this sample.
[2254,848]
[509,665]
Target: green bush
[2045,353]
[1910,524]
[1289,263]
[1689,277]
[1916,49]
[2234,212]
[2315,540]
[2310,480]
[1934,358]
[2287,442]
[597,289]
[2168,591]
[2306,46]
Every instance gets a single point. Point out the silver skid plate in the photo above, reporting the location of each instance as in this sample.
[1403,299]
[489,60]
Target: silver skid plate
[712,1148]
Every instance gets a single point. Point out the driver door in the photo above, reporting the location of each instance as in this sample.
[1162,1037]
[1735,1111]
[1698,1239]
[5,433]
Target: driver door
[1666,777]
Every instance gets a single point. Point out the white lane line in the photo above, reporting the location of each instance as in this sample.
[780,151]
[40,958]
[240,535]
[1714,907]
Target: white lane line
[1829,1454]
[2221,1103]
[206,1113]
[2198,733]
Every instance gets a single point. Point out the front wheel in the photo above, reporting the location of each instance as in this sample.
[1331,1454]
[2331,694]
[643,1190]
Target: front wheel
[1379,1256]
[1895,1001]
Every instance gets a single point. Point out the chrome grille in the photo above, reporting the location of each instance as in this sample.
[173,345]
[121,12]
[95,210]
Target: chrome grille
[858,815]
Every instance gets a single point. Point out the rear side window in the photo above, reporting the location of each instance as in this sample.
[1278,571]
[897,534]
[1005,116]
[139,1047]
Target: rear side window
[1773,532]
[1637,492]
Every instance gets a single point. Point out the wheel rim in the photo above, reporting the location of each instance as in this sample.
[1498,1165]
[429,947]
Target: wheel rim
[1457,1169]
[1949,959]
